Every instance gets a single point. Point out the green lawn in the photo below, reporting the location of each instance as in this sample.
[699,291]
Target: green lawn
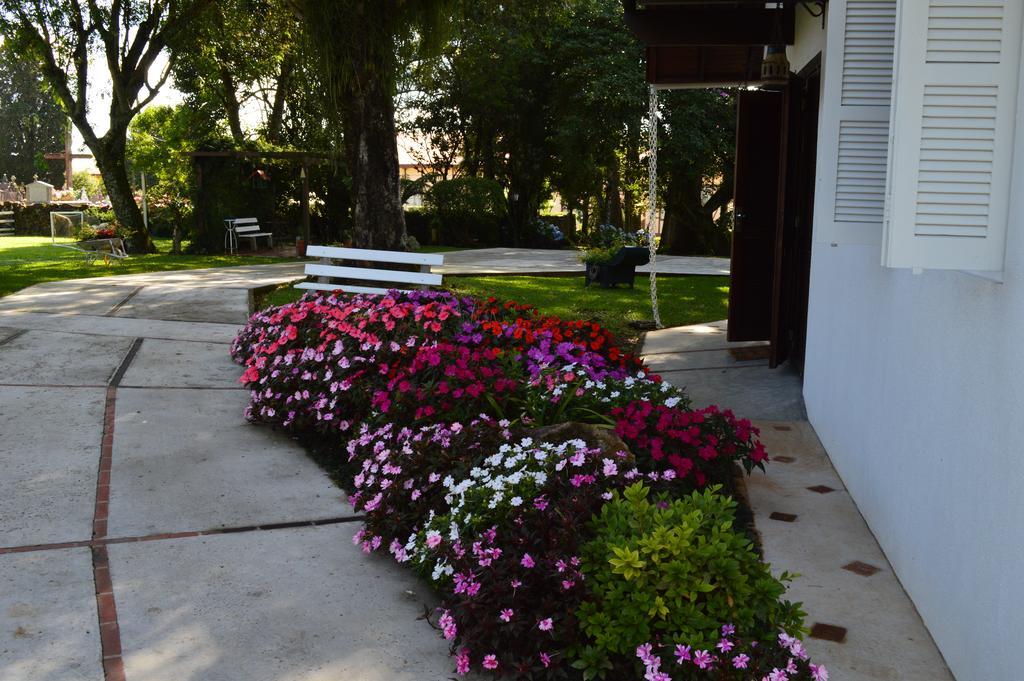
[28,260]
[683,300]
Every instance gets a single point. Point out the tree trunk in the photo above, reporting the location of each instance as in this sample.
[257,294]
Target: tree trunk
[280,95]
[232,108]
[631,205]
[371,149]
[614,198]
[109,153]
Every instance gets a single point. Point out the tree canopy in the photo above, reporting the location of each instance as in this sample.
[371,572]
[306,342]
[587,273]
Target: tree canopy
[31,121]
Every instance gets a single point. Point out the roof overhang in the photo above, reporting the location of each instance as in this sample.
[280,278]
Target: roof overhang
[701,43]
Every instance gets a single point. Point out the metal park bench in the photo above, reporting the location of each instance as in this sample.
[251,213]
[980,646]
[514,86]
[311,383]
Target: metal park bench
[324,270]
[244,228]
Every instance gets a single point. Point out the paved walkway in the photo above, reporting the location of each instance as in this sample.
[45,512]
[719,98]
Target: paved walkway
[147,532]
[864,627]
[537,261]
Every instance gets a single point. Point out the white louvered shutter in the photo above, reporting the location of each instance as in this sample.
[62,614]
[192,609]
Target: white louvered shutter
[854,130]
[954,114]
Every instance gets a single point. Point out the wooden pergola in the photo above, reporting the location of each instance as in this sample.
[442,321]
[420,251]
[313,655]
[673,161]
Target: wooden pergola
[304,158]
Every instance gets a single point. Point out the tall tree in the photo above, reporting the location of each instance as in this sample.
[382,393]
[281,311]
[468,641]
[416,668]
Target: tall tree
[31,122]
[243,53]
[131,35]
[358,43]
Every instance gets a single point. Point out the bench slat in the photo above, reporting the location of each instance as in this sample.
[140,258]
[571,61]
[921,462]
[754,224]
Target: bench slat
[373,274]
[375,256]
[314,286]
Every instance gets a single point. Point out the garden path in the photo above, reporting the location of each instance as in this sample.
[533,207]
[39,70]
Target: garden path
[147,532]
[864,627]
[538,261]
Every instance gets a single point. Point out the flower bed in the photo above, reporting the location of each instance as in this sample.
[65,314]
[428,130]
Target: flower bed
[565,503]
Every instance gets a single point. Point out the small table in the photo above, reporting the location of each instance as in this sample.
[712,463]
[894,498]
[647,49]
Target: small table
[230,238]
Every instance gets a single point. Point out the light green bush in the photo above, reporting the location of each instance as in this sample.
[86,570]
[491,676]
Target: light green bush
[674,571]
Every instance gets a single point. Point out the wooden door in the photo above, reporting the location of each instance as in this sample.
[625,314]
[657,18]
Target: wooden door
[793,242]
[760,182]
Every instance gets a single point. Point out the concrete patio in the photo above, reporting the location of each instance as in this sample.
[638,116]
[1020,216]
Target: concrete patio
[147,531]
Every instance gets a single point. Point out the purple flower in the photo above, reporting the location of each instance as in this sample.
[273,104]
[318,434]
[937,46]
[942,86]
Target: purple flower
[740,661]
[546,624]
[506,615]
[702,659]
[682,653]
[527,561]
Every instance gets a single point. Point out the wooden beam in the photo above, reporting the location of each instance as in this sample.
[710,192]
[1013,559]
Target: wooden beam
[704,65]
[711,24]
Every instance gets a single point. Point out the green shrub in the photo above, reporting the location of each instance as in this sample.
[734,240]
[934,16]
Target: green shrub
[673,571]
[466,211]
[467,194]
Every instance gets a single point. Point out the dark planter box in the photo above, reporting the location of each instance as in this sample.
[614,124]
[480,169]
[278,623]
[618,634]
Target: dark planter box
[621,269]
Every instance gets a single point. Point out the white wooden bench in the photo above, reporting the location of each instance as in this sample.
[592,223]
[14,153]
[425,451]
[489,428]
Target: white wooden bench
[324,270]
[246,228]
[6,223]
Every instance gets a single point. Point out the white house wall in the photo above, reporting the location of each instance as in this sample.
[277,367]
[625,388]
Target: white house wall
[915,385]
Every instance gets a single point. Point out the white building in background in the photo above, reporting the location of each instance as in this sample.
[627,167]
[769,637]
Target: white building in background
[887,264]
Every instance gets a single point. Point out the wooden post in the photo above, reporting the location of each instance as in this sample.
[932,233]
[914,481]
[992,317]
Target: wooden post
[68,170]
[305,198]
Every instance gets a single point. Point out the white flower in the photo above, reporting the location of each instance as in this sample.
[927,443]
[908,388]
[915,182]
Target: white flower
[671,402]
[516,501]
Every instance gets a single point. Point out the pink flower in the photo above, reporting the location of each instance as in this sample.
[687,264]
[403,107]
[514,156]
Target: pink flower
[433,539]
[728,629]
[490,662]
[515,584]
[506,615]
[702,659]
[740,661]
[818,672]
[545,660]
[527,561]
[546,624]
[462,661]
[447,624]
[725,645]
[682,653]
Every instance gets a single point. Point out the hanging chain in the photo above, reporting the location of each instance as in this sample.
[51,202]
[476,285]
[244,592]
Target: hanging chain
[652,199]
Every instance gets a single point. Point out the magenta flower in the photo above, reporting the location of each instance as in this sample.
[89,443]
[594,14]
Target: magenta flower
[818,672]
[728,629]
[506,615]
[725,645]
[490,662]
[702,659]
[546,624]
[741,661]
[527,561]
[462,662]
[682,653]
[545,660]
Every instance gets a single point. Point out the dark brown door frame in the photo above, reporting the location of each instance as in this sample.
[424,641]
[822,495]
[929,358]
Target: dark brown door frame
[791,271]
